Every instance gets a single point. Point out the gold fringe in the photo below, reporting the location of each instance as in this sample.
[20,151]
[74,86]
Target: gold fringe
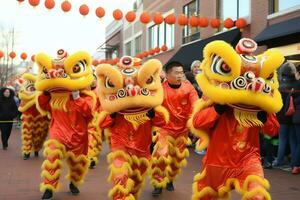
[137,119]
[78,167]
[59,101]
[27,105]
[44,187]
[247,119]
[162,110]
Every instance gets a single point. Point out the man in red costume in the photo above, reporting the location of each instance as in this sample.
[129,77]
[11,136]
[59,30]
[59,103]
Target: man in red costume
[170,150]
[132,93]
[63,81]
[240,99]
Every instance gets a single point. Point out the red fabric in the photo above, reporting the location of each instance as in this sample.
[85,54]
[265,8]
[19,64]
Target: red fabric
[125,138]
[70,128]
[233,151]
[179,104]
[230,144]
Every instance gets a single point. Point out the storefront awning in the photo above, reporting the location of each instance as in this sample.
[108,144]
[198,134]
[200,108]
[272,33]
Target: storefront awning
[190,52]
[279,34]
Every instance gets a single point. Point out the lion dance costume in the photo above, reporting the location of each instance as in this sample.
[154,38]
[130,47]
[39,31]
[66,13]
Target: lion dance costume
[132,95]
[63,84]
[34,125]
[240,98]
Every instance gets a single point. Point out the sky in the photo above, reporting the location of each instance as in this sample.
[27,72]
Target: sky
[39,29]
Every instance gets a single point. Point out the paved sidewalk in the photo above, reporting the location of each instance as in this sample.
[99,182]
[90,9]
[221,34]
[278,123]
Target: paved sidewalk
[20,179]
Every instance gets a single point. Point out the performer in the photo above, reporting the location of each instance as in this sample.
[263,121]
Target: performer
[240,98]
[130,95]
[34,125]
[95,133]
[172,139]
[62,82]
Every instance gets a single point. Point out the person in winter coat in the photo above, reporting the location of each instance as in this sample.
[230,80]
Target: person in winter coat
[8,111]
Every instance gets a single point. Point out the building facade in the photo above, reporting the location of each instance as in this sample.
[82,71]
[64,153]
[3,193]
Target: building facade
[185,44]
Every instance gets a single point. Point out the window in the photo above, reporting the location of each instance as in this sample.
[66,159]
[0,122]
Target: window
[191,33]
[128,48]
[160,35]
[138,44]
[233,9]
[279,5]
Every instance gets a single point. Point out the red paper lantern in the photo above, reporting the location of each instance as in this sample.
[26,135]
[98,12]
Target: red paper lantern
[100,12]
[117,14]
[12,55]
[145,54]
[66,6]
[215,23]
[23,56]
[145,18]
[1,54]
[84,9]
[170,19]
[194,22]
[95,63]
[158,18]
[164,47]
[130,16]
[34,2]
[49,4]
[241,23]
[151,52]
[228,23]
[157,50]
[183,20]
[203,22]
[33,58]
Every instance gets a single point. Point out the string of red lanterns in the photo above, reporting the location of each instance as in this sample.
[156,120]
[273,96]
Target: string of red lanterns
[145,17]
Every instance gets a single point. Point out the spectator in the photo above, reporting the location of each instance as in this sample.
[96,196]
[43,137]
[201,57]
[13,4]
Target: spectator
[286,81]
[295,137]
[8,111]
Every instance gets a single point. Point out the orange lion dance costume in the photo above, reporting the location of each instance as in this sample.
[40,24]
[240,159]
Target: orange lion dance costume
[34,125]
[240,98]
[131,93]
[62,82]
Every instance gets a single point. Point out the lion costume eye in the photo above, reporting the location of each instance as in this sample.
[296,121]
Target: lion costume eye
[79,67]
[218,66]
[30,88]
[249,75]
[108,83]
[150,80]
[45,70]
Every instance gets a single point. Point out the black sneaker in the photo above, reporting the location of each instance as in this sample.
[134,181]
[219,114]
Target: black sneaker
[267,165]
[26,156]
[36,154]
[92,164]
[74,190]
[156,192]
[48,194]
[170,186]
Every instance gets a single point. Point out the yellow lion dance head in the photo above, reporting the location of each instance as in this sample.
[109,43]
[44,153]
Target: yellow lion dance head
[130,86]
[236,77]
[64,73]
[27,91]
[240,79]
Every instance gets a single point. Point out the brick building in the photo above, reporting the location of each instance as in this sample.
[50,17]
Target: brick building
[272,23]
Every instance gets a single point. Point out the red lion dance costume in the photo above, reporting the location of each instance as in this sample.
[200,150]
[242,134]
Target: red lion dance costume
[63,82]
[34,125]
[240,98]
[132,94]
